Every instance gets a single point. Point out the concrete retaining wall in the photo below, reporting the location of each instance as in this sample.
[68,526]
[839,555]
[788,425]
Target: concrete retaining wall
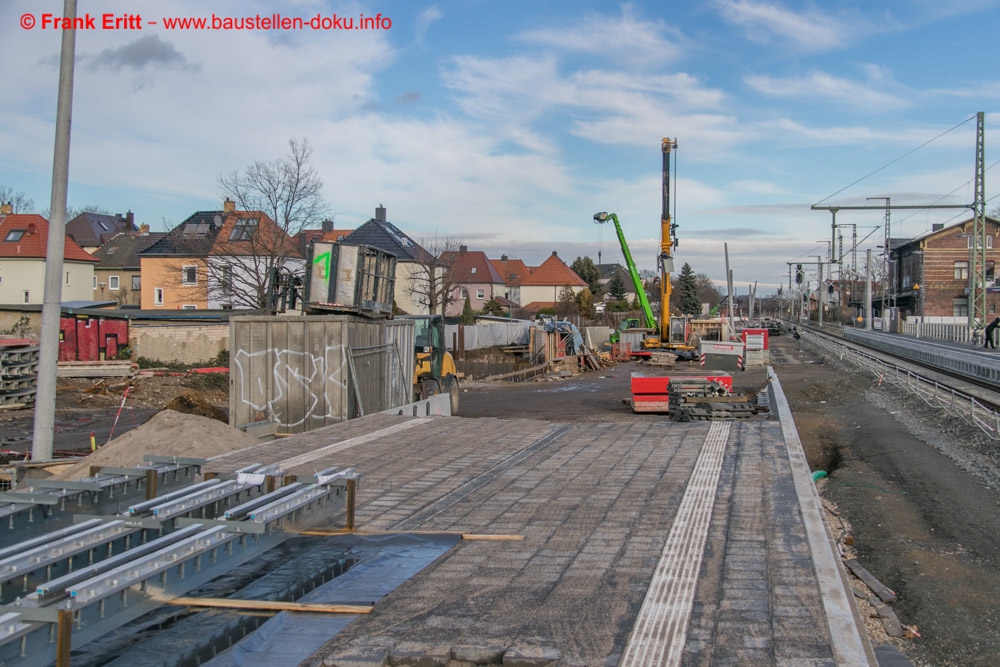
[186,343]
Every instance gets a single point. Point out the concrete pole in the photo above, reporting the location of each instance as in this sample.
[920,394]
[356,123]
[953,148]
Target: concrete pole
[822,295]
[868,290]
[48,355]
[729,289]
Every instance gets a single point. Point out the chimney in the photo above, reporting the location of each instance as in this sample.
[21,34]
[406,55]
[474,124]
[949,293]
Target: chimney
[130,218]
[6,208]
[463,248]
[144,229]
[229,206]
[937,226]
[503,258]
[380,213]
[327,225]
[555,254]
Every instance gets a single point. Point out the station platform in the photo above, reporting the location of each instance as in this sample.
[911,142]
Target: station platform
[646,543]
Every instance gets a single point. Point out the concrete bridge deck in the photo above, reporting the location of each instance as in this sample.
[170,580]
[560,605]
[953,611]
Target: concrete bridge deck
[643,543]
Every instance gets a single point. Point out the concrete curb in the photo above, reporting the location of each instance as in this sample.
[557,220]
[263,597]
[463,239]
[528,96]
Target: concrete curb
[850,646]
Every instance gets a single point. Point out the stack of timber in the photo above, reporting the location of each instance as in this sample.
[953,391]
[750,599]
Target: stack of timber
[590,360]
[18,372]
[695,399]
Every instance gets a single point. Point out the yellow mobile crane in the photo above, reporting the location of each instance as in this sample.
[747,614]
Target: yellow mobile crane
[673,330]
[669,332]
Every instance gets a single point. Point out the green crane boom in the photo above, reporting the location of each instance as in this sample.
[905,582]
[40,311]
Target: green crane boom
[633,272]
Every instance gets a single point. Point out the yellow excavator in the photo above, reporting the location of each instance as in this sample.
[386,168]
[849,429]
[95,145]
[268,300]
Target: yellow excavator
[434,372]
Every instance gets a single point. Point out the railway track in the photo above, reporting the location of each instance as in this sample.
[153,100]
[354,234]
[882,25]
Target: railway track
[975,400]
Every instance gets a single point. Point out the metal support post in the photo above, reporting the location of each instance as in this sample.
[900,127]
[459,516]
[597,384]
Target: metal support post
[868,290]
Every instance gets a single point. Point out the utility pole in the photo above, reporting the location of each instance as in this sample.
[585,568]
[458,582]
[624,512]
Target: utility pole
[48,344]
[868,290]
[977,293]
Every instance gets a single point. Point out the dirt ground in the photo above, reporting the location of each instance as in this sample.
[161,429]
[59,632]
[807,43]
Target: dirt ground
[923,522]
[91,405]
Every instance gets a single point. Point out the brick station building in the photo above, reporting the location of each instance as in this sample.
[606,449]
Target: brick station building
[931,271]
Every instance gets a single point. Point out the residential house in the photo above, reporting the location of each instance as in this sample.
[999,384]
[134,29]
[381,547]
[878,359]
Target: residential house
[511,272]
[472,276]
[326,234]
[931,272]
[543,286]
[92,230]
[413,262]
[119,275]
[216,259]
[23,249]
[608,273]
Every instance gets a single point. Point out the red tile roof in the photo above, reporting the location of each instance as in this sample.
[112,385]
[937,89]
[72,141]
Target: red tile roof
[553,271]
[511,270]
[33,241]
[470,267]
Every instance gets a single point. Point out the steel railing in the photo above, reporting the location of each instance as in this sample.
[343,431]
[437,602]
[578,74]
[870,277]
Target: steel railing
[933,393]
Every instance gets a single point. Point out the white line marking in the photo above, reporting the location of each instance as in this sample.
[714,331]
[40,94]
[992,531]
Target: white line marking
[288,464]
[660,630]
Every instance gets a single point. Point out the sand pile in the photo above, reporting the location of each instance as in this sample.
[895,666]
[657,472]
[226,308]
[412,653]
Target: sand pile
[167,433]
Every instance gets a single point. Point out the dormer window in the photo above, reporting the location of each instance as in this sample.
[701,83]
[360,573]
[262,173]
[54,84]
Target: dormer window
[14,235]
[243,230]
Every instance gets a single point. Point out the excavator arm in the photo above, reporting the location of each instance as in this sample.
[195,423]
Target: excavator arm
[633,272]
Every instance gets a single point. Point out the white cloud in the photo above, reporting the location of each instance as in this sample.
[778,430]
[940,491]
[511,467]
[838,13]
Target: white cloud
[812,30]
[425,19]
[626,38]
[824,87]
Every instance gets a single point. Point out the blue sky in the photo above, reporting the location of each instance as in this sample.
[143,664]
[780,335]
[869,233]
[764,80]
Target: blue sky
[506,125]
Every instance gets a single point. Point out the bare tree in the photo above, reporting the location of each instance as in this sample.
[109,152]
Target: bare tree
[273,202]
[20,202]
[431,280]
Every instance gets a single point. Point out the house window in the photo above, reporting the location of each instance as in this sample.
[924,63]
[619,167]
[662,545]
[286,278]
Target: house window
[14,235]
[157,296]
[243,230]
[961,270]
[67,277]
[226,278]
[189,306]
[960,307]
[189,275]
[136,283]
[95,282]
[113,283]
[989,242]
[464,294]
[27,296]
[480,294]
[473,269]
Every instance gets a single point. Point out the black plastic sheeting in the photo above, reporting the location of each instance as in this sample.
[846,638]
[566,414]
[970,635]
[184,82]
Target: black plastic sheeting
[381,564]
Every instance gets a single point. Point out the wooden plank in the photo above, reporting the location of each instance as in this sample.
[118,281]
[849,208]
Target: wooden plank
[481,537]
[877,587]
[271,605]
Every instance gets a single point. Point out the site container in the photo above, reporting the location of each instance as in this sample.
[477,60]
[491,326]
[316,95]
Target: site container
[350,278]
[307,372]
